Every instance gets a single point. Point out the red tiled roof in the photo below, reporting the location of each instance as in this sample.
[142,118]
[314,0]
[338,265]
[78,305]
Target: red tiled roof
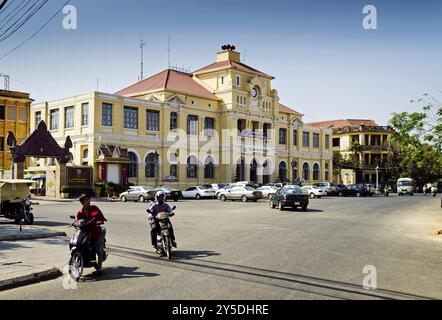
[233,64]
[169,80]
[344,123]
[285,109]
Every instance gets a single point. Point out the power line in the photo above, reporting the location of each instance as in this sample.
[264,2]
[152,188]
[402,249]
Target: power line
[3,4]
[23,22]
[14,12]
[36,33]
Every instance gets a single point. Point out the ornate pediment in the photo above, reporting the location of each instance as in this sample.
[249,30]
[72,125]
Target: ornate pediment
[40,144]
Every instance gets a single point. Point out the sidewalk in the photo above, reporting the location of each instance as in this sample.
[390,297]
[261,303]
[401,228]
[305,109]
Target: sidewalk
[48,200]
[30,256]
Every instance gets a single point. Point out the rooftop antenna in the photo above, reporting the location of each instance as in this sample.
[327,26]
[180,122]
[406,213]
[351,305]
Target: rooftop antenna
[7,79]
[142,45]
[168,53]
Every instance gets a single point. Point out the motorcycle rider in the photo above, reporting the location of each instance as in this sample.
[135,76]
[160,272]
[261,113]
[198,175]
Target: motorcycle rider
[157,207]
[98,233]
[434,191]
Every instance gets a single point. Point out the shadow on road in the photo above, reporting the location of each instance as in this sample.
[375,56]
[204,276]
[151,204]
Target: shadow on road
[289,281]
[190,255]
[114,273]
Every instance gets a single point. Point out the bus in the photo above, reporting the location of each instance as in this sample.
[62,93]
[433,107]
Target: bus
[406,186]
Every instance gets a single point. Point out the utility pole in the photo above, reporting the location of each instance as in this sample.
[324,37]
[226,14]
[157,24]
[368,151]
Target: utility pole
[7,79]
[168,54]
[142,45]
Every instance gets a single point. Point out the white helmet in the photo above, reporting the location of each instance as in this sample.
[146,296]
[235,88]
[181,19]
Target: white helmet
[159,194]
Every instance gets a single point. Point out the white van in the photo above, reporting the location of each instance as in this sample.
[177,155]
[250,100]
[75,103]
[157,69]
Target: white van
[406,186]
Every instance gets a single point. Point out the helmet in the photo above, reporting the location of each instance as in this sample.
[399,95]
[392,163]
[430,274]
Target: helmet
[160,194]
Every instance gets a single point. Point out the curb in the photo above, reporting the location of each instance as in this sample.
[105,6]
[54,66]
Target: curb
[29,279]
[46,235]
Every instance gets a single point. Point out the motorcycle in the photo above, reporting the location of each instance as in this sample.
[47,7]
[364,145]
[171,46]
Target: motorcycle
[164,238]
[387,192]
[83,254]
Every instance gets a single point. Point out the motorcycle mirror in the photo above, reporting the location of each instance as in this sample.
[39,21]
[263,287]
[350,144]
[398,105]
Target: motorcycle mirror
[72,217]
[174,208]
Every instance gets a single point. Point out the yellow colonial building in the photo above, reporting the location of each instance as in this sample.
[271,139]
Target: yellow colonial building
[14,117]
[365,144]
[222,123]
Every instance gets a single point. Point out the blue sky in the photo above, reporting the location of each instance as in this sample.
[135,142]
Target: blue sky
[326,65]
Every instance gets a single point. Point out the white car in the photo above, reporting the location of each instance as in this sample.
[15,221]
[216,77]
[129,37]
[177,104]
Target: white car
[268,191]
[240,193]
[314,192]
[198,193]
[140,194]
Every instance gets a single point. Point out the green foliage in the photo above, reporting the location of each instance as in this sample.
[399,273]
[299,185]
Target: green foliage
[419,141]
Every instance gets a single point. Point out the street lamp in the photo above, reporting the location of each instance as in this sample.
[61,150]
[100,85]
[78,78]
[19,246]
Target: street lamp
[157,166]
[377,178]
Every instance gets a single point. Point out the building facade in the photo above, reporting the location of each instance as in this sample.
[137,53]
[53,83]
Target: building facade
[14,117]
[222,123]
[364,144]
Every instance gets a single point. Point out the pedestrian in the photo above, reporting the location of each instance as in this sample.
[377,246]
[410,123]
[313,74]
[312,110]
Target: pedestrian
[424,189]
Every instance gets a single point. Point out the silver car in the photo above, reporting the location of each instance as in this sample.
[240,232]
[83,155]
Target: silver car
[268,191]
[136,194]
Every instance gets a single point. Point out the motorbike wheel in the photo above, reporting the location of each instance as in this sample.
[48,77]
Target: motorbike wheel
[167,248]
[76,266]
[29,219]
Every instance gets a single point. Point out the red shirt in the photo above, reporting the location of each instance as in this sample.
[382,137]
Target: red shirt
[89,214]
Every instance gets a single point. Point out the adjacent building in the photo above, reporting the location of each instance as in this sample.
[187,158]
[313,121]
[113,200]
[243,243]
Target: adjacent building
[14,117]
[221,123]
[364,145]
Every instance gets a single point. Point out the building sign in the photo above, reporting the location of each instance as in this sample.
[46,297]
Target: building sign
[79,177]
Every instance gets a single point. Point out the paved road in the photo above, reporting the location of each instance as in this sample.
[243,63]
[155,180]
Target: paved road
[248,251]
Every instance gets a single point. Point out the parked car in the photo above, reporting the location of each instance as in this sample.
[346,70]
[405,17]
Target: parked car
[228,187]
[136,194]
[292,196]
[313,192]
[240,193]
[268,191]
[277,185]
[250,184]
[372,188]
[198,193]
[171,194]
[330,189]
[218,186]
[340,188]
[357,190]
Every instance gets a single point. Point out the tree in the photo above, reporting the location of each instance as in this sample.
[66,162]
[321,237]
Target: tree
[419,141]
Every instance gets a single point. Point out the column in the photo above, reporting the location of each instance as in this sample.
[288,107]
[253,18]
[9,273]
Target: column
[19,169]
[60,177]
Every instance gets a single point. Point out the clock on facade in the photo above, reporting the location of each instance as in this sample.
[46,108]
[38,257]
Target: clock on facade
[254,92]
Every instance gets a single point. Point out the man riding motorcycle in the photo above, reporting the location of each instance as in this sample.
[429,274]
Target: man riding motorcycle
[98,233]
[156,208]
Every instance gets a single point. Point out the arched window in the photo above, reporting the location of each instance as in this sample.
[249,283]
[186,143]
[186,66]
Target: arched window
[209,168]
[85,160]
[327,172]
[241,170]
[152,164]
[254,171]
[173,121]
[306,171]
[316,172]
[192,167]
[132,166]
[283,171]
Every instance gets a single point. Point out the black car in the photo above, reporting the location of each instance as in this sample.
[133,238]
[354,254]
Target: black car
[292,197]
[171,194]
[340,188]
[357,190]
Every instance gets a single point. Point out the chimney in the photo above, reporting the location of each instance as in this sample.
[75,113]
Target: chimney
[228,53]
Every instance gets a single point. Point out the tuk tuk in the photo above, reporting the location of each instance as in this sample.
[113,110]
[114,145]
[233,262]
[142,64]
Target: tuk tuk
[15,201]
